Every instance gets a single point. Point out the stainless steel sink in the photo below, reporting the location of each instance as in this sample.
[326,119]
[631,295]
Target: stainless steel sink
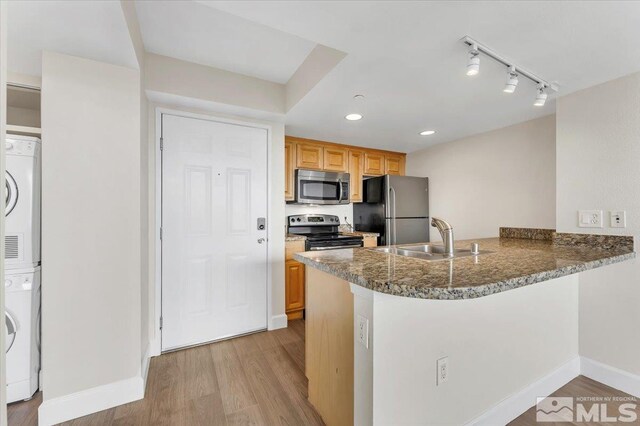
[428,252]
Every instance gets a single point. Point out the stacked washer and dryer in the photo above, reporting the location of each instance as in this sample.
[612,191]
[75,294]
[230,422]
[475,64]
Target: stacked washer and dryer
[22,266]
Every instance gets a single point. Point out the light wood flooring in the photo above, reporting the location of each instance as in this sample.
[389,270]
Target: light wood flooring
[580,387]
[252,380]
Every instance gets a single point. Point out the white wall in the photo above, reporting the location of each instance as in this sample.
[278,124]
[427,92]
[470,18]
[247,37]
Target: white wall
[339,210]
[505,177]
[90,225]
[496,346]
[3,122]
[598,167]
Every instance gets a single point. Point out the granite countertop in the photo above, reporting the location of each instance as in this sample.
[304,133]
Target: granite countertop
[519,257]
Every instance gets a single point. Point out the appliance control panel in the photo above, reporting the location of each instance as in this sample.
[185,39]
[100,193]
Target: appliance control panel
[313,220]
[27,146]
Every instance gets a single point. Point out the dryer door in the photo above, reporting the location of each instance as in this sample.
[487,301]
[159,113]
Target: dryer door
[11,330]
[12,194]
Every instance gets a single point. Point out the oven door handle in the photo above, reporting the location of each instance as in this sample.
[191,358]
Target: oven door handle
[334,247]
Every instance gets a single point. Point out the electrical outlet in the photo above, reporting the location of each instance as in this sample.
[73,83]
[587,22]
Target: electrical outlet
[590,218]
[442,370]
[618,219]
[363,331]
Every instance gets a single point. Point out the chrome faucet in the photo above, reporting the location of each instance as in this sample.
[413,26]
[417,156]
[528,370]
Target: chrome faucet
[446,232]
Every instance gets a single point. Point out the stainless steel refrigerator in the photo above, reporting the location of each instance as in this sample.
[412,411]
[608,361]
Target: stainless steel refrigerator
[396,207]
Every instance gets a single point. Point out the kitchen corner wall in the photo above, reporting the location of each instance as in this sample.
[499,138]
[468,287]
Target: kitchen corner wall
[91,325]
[504,177]
[598,164]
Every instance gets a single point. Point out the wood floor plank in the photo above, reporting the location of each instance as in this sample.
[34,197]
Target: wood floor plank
[251,380]
[235,389]
[250,416]
[275,404]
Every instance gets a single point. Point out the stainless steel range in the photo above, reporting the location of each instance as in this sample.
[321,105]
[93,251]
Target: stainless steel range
[322,232]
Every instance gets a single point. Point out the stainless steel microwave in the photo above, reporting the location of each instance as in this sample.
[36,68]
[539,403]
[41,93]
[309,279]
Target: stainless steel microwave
[316,187]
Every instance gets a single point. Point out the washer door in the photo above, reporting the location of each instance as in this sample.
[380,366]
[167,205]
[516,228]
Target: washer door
[11,330]
[12,194]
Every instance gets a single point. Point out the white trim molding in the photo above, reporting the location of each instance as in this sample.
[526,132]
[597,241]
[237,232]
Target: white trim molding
[610,376]
[513,406]
[68,407]
[278,321]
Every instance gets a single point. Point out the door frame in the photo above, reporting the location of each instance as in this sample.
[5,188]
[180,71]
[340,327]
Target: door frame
[155,341]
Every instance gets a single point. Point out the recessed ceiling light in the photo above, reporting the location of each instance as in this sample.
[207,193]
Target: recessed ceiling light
[427,132]
[353,117]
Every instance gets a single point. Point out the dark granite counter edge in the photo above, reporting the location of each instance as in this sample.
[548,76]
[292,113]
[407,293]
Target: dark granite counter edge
[466,292]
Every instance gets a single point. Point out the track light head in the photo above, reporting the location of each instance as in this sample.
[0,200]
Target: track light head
[541,96]
[473,66]
[512,81]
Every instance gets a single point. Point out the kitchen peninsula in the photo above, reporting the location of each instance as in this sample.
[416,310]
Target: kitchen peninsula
[498,325]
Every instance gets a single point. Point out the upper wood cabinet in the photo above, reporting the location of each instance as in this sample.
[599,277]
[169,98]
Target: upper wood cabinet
[302,153]
[356,168]
[309,156]
[394,164]
[290,165]
[374,163]
[335,159]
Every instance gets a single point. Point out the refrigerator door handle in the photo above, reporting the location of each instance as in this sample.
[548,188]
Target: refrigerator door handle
[393,217]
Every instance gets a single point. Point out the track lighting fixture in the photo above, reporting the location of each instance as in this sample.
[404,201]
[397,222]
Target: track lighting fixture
[541,97]
[473,66]
[512,80]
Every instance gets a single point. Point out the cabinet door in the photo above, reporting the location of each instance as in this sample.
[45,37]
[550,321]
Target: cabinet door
[370,241]
[289,167]
[335,159]
[356,168]
[394,164]
[294,289]
[373,164]
[309,156]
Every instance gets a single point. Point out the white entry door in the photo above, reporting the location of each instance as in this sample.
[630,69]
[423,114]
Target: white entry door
[214,256]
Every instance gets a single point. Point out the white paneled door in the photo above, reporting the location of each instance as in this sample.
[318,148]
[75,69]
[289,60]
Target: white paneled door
[214,256]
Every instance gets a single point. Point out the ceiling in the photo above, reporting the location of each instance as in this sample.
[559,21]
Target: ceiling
[196,33]
[406,58]
[89,29]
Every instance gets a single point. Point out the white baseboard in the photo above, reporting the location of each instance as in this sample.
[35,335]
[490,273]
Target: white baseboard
[278,321]
[145,367]
[510,408]
[58,410]
[610,376]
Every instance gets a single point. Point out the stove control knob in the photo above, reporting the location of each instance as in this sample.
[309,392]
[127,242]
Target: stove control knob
[7,283]
[298,219]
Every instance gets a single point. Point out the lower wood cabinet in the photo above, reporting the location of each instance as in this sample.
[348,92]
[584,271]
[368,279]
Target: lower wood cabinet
[294,289]
[370,241]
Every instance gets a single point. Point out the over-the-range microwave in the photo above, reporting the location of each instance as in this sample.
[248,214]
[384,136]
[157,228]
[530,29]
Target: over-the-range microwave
[316,187]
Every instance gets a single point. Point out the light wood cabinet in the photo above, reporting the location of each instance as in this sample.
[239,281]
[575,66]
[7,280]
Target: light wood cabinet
[294,289]
[394,164]
[356,168]
[335,159]
[290,166]
[370,241]
[358,161]
[373,164]
[309,156]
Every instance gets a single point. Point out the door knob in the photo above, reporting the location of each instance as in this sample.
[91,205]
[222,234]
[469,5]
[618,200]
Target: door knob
[260,240]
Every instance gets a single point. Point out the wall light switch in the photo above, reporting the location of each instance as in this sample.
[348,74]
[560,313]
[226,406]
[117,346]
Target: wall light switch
[618,219]
[590,218]
[442,367]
